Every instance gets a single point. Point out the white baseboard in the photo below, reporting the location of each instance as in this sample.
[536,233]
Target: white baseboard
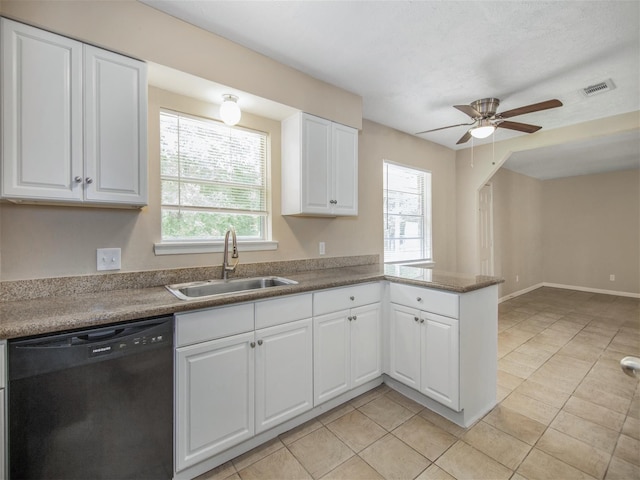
[520,292]
[592,290]
[567,287]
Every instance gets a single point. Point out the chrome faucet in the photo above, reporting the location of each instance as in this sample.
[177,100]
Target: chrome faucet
[226,268]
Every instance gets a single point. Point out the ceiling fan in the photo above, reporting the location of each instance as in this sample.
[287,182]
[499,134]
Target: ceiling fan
[486,120]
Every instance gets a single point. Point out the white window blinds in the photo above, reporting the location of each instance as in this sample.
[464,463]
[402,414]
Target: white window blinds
[213,176]
[407,214]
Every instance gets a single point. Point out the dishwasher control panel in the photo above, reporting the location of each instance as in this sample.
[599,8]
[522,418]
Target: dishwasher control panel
[123,345]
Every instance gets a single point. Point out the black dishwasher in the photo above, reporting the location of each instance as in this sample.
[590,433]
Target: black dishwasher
[93,404]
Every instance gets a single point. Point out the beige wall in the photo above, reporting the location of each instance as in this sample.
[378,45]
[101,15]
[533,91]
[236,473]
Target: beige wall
[137,30]
[572,231]
[591,229]
[48,241]
[379,143]
[472,172]
[517,226]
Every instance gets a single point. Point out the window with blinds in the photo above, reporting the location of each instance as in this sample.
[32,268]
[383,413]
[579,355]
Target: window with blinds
[407,214]
[212,177]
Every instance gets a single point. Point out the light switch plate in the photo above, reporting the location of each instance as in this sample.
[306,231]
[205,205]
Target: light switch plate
[108,259]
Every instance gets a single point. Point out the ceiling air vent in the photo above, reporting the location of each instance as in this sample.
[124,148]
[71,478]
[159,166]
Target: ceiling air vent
[598,88]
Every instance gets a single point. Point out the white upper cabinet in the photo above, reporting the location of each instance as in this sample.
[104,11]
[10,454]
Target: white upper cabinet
[41,114]
[74,121]
[319,167]
[115,127]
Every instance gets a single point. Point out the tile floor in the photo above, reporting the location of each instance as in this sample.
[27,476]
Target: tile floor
[565,410]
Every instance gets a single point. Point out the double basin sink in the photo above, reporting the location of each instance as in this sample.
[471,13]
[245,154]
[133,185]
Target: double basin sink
[211,288]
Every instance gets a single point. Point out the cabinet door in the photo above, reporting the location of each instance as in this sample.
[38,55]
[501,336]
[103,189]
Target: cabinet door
[115,134]
[404,345]
[214,399]
[331,350]
[345,169]
[3,446]
[440,359]
[284,373]
[316,165]
[366,355]
[41,114]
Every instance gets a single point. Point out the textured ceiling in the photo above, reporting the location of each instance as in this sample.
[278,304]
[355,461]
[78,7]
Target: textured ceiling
[412,60]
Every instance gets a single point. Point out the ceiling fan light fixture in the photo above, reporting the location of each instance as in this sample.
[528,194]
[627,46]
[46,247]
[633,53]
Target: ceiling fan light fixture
[483,130]
[229,110]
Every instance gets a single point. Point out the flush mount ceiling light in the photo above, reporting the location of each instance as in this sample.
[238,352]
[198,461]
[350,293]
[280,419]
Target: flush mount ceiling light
[229,110]
[483,130]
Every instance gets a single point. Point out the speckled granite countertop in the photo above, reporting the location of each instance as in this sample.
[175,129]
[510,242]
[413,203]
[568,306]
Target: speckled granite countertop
[70,311]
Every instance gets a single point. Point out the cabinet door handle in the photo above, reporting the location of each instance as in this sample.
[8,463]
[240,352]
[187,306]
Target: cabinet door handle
[419,299]
[349,318]
[78,179]
[260,342]
[355,317]
[88,180]
[415,319]
[422,320]
[253,344]
[352,298]
[333,202]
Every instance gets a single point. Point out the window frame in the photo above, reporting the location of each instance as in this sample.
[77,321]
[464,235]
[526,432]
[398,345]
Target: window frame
[212,245]
[426,236]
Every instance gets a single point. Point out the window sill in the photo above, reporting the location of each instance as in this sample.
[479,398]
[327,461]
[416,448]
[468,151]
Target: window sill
[414,263]
[180,248]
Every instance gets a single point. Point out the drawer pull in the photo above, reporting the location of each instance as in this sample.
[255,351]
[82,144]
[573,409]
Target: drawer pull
[352,298]
[419,299]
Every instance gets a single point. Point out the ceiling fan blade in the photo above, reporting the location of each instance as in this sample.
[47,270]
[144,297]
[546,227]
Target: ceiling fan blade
[469,110]
[443,128]
[536,107]
[465,138]
[521,127]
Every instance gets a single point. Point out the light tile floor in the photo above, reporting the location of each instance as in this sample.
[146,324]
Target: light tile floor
[566,410]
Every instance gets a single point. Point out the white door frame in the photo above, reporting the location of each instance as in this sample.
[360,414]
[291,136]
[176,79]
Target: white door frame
[485,229]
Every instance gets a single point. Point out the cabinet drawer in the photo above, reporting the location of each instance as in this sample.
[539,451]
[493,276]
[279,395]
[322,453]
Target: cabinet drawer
[212,323]
[425,299]
[283,310]
[328,301]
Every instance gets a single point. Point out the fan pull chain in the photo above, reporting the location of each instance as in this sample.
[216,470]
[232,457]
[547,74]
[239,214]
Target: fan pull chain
[493,148]
[471,152]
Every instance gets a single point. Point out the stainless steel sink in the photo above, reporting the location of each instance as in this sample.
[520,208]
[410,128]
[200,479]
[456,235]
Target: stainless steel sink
[211,288]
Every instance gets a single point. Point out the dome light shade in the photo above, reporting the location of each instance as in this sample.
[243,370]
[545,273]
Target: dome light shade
[483,130]
[229,110]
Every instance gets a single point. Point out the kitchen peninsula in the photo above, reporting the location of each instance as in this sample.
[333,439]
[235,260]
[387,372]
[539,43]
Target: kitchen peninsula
[430,335]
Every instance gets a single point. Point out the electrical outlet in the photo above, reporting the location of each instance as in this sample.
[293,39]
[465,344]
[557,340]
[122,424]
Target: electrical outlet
[612,277]
[108,259]
[321,250]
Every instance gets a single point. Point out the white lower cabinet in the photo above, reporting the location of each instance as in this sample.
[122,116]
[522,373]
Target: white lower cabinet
[424,353]
[284,373]
[232,388]
[346,343]
[3,424]
[243,369]
[215,400]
